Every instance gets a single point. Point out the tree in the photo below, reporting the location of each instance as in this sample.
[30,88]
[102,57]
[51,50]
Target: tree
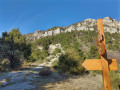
[4,35]
[93,52]
[70,62]
[14,34]
[10,52]
[15,48]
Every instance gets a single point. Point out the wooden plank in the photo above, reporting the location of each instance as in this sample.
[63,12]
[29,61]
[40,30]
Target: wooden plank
[112,64]
[99,38]
[105,69]
[92,64]
[95,64]
[101,49]
[100,42]
[105,73]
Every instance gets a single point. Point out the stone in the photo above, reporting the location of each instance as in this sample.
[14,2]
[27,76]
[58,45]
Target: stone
[53,47]
[57,31]
[39,47]
[50,33]
[3,82]
[107,19]
[45,34]
[91,29]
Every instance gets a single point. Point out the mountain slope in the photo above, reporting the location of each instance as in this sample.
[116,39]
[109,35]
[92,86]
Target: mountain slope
[110,25]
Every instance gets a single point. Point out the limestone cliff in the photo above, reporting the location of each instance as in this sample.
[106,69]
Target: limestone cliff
[110,25]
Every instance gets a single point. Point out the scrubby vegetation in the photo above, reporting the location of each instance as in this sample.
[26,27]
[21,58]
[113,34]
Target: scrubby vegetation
[57,50]
[115,79]
[14,48]
[70,62]
[113,41]
[38,55]
[93,52]
[45,72]
[78,45]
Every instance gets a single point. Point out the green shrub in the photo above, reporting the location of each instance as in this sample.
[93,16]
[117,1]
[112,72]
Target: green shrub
[70,62]
[13,47]
[77,47]
[47,60]
[9,51]
[39,55]
[57,50]
[93,52]
[55,64]
[46,71]
[31,59]
[4,65]
[115,79]
[94,73]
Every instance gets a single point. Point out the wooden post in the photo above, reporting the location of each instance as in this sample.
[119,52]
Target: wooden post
[105,72]
[104,63]
[105,67]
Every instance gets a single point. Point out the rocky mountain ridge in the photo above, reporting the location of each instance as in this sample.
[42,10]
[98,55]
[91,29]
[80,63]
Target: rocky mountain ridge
[110,25]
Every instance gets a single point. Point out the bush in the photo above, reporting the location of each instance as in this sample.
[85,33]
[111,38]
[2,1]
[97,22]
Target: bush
[47,60]
[9,51]
[31,59]
[39,55]
[115,79]
[70,62]
[13,47]
[4,65]
[55,64]
[93,52]
[57,50]
[45,71]
[96,72]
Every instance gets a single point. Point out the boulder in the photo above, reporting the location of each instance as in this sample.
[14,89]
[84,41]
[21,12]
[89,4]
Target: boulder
[3,82]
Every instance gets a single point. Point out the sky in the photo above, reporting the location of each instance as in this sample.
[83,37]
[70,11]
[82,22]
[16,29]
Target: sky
[32,15]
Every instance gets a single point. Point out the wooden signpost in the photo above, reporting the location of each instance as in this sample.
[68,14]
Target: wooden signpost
[104,63]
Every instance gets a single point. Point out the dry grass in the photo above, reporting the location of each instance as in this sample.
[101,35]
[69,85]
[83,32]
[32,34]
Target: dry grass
[87,82]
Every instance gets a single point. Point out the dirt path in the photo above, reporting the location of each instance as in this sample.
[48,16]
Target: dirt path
[30,79]
[19,80]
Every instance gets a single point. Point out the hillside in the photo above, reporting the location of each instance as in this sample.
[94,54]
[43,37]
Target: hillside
[73,36]
[57,52]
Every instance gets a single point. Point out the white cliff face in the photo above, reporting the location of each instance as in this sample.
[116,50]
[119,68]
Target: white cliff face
[110,25]
[57,31]
[45,34]
[50,33]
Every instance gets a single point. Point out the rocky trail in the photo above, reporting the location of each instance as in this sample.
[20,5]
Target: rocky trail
[21,80]
[29,79]
[18,80]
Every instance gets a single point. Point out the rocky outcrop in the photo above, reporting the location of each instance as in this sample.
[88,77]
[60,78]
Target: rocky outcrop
[110,25]
[30,37]
[53,47]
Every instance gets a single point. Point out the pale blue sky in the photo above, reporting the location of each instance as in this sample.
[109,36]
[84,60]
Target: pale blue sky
[31,15]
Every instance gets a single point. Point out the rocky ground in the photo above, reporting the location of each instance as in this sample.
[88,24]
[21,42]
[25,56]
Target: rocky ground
[29,79]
